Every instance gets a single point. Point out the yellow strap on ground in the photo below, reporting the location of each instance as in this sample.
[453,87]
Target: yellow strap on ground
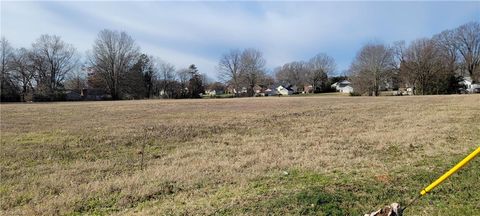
[450,172]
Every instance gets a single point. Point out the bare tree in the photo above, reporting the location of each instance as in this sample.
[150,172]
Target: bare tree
[422,63]
[23,73]
[447,80]
[167,78]
[406,78]
[52,59]
[446,45]
[183,78]
[76,80]
[6,55]
[229,68]
[320,67]
[314,72]
[8,88]
[372,68]
[216,86]
[252,70]
[293,73]
[112,56]
[467,41]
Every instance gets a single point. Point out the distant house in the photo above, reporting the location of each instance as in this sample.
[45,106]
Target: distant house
[94,94]
[215,88]
[470,85]
[258,89]
[162,93]
[210,92]
[244,90]
[343,86]
[308,89]
[270,92]
[214,92]
[409,91]
[73,95]
[230,90]
[284,90]
[86,94]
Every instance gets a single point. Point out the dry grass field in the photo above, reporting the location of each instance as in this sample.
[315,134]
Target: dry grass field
[252,156]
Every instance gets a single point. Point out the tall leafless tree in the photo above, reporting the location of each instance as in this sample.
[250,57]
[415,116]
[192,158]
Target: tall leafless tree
[447,80]
[112,56]
[422,63]
[467,41]
[446,45]
[183,76]
[372,68]
[293,73]
[6,55]
[8,89]
[229,68]
[52,59]
[76,80]
[23,73]
[406,78]
[167,78]
[252,70]
[320,67]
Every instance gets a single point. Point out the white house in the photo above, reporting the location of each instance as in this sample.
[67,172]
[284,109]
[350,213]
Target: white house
[214,92]
[343,86]
[244,90]
[471,87]
[284,90]
[409,91]
[72,95]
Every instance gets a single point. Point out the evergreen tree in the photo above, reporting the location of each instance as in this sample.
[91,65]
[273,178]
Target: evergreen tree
[195,84]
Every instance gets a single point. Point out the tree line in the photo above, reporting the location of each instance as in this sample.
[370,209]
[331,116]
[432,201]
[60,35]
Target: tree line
[246,69]
[116,65]
[433,65]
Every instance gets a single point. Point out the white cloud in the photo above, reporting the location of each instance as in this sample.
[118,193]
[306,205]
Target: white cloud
[180,59]
[198,32]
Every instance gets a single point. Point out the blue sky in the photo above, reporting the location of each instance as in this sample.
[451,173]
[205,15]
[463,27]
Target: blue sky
[183,33]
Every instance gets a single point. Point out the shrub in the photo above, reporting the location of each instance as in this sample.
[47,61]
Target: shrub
[44,97]
[355,94]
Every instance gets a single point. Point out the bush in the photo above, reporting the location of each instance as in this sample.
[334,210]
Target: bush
[8,93]
[42,97]
[9,98]
[355,94]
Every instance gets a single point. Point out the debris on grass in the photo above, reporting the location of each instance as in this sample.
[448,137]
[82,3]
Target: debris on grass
[391,210]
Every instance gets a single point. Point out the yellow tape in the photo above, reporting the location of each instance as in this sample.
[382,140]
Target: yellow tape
[450,172]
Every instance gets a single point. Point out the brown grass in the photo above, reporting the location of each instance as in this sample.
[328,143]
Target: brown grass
[209,156]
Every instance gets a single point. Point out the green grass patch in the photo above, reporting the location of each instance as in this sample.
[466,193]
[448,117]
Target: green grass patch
[304,192]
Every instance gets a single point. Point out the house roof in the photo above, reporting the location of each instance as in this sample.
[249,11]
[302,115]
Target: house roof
[289,88]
